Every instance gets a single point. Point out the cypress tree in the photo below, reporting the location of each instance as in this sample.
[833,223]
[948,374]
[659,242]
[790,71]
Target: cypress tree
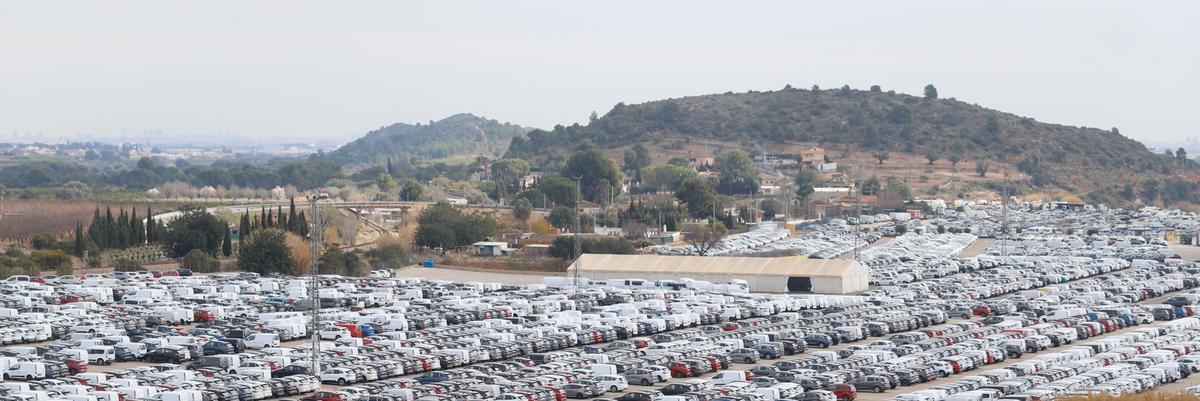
[302,226]
[227,243]
[123,231]
[390,171]
[291,225]
[270,220]
[135,224]
[110,232]
[282,219]
[95,232]
[78,239]
[262,218]
[244,227]
[149,226]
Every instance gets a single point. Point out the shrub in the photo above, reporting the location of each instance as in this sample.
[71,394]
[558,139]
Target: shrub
[267,252]
[43,241]
[389,253]
[200,262]
[564,246]
[127,265]
[52,260]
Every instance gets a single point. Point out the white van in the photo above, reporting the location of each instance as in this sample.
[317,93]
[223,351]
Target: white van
[101,354]
[180,395]
[729,376]
[262,340]
[27,370]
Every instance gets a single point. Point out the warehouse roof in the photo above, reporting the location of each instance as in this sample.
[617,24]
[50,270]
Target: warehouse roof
[783,267]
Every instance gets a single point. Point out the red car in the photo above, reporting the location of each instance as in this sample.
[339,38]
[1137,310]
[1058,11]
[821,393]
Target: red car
[844,392]
[680,369]
[76,366]
[982,310]
[324,396]
[202,316]
[354,330]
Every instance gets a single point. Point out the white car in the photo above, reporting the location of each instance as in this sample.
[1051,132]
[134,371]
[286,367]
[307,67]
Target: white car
[611,383]
[341,376]
[334,333]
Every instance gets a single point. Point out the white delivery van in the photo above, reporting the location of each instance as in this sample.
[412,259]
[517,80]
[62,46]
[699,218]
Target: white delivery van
[101,354]
[262,340]
[26,370]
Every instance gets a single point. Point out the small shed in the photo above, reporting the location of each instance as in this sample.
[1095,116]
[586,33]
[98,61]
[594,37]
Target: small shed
[489,248]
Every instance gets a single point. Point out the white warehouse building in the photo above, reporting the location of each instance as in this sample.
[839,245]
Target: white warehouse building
[776,275]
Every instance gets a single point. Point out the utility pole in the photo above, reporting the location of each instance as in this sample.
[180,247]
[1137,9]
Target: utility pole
[857,215]
[1004,217]
[578,274]
[2,212]
[316,234]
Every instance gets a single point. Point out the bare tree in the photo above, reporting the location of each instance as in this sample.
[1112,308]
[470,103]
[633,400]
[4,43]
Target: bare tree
[704,237]
[635,230]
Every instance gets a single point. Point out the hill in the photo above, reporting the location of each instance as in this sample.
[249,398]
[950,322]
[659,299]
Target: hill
[1078,160]
[460,135]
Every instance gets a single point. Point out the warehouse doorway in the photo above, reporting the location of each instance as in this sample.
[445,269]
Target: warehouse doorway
[799,284]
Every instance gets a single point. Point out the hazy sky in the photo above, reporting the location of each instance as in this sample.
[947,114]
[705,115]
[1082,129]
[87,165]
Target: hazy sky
[76,69]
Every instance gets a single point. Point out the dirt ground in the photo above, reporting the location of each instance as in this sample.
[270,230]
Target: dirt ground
[977,248]
[1187,252]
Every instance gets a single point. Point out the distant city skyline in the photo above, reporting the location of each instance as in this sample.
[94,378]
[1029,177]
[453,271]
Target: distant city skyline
[301,70]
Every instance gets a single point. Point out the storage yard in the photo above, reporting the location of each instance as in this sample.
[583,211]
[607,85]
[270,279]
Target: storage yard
[1082,302]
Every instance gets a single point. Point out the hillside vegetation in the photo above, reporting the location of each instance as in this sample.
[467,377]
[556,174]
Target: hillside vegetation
[1085,161]
[457,135]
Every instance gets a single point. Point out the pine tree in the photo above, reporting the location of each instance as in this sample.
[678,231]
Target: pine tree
[227,243]
[78,239]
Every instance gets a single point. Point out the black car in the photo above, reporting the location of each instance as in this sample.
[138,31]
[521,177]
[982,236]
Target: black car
[290,370]
[907,377]
[640,396]
[679,388]
[818,340]
[164,355]
[763,370]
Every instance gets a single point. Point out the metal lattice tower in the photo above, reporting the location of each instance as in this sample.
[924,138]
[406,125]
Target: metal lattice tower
[316,234]
[1004,218]
[578,273]
[857,215]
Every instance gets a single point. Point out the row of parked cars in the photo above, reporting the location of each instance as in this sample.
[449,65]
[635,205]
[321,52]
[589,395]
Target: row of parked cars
[225,337]
[822,241]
